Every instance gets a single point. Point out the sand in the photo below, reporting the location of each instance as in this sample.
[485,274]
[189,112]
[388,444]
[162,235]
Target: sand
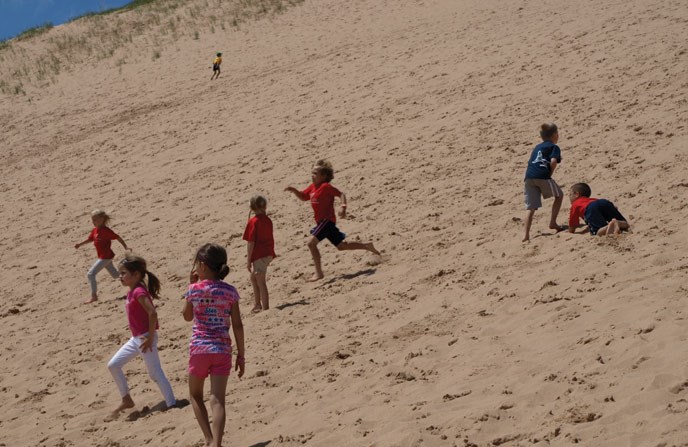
[428,110]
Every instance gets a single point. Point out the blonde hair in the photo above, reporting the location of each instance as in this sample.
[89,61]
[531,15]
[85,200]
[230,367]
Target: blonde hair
[101,213]
[258,203]
[325,168]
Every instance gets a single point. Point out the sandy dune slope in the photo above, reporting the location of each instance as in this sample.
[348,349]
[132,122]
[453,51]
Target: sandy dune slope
[428,110]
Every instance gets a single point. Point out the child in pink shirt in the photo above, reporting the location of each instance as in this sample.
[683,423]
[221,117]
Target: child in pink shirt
[213,305]
[321,195]
[143,323]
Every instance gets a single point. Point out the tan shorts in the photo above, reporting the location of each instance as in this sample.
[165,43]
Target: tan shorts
[536,187]
[261,265]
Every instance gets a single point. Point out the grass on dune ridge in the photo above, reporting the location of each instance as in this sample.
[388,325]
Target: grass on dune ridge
[37,56]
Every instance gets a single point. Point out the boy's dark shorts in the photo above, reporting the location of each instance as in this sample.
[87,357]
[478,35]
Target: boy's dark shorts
[328,230]
[599,213]
[216,67]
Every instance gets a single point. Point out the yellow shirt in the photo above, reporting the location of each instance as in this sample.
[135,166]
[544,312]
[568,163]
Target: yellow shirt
[218,61]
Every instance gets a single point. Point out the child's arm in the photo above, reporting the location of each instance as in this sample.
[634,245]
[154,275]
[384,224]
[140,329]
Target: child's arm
[238,328]
[121,241]
[82,243]
[297,193]
[342,209]
[187,312]
[250,245]
[152,321]
[552,165]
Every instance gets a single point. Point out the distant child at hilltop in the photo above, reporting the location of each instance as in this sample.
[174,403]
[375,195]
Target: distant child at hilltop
[321,195]
[539,182]
[213,305]
[143,323]
[102,238]
[600,215]
[216,66]
[260,246]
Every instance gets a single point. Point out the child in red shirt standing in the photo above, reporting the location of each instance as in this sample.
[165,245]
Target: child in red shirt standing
[102,238]
[260,246]
[600,215]
[321,195]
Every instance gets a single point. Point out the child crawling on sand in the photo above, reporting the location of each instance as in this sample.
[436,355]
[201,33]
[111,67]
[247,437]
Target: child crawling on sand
[600,215]
[321,195]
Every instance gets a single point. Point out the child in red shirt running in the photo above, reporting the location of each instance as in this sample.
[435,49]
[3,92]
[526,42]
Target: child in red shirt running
[321,194]
[260,247]
[600,215]
[102,238]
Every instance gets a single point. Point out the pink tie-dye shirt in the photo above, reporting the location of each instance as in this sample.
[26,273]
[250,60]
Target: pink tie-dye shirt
[212,304]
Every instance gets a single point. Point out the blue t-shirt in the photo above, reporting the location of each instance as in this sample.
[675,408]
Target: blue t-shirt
[538,163]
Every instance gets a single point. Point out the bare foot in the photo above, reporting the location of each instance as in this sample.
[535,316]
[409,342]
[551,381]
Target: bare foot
[371,248]
[526,239]
[559,228]
[92,300]
[127,402]
[315,278]
[256,309]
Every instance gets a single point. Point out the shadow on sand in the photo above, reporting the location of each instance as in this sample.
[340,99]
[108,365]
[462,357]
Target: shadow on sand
[158,408]
[301,302]
[366,272]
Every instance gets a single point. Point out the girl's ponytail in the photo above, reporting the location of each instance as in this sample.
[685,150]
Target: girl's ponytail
[153,285]
[214,256]
[137,264]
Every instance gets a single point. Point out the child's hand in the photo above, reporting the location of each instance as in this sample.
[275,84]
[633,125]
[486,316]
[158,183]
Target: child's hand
[77,245]
[193,277]
[240,365]
[342,211]
[248,266]
[147,344]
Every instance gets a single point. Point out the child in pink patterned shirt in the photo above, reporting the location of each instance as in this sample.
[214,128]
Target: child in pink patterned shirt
[213,305]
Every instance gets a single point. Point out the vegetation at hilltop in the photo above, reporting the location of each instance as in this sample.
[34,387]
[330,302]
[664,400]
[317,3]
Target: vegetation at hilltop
[25,61]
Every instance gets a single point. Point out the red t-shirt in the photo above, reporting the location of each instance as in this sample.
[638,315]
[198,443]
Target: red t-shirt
[102,238]
[259,230]
[577,212]
[322,201]
[136,314]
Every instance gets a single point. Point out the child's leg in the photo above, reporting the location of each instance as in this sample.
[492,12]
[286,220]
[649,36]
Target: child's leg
[556,206]
[91,275]
[196,397]
[261,283]
[218,388]
[358,246]
[112,270]
[127,352]
[152,360]
[256,293]
[313,247]
[528,224]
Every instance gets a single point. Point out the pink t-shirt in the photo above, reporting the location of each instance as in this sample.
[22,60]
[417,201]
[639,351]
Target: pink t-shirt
[137,315]
[212,303]
[322,201]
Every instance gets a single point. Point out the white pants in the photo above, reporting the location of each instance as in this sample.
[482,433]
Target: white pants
[130,350]
[99,265]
